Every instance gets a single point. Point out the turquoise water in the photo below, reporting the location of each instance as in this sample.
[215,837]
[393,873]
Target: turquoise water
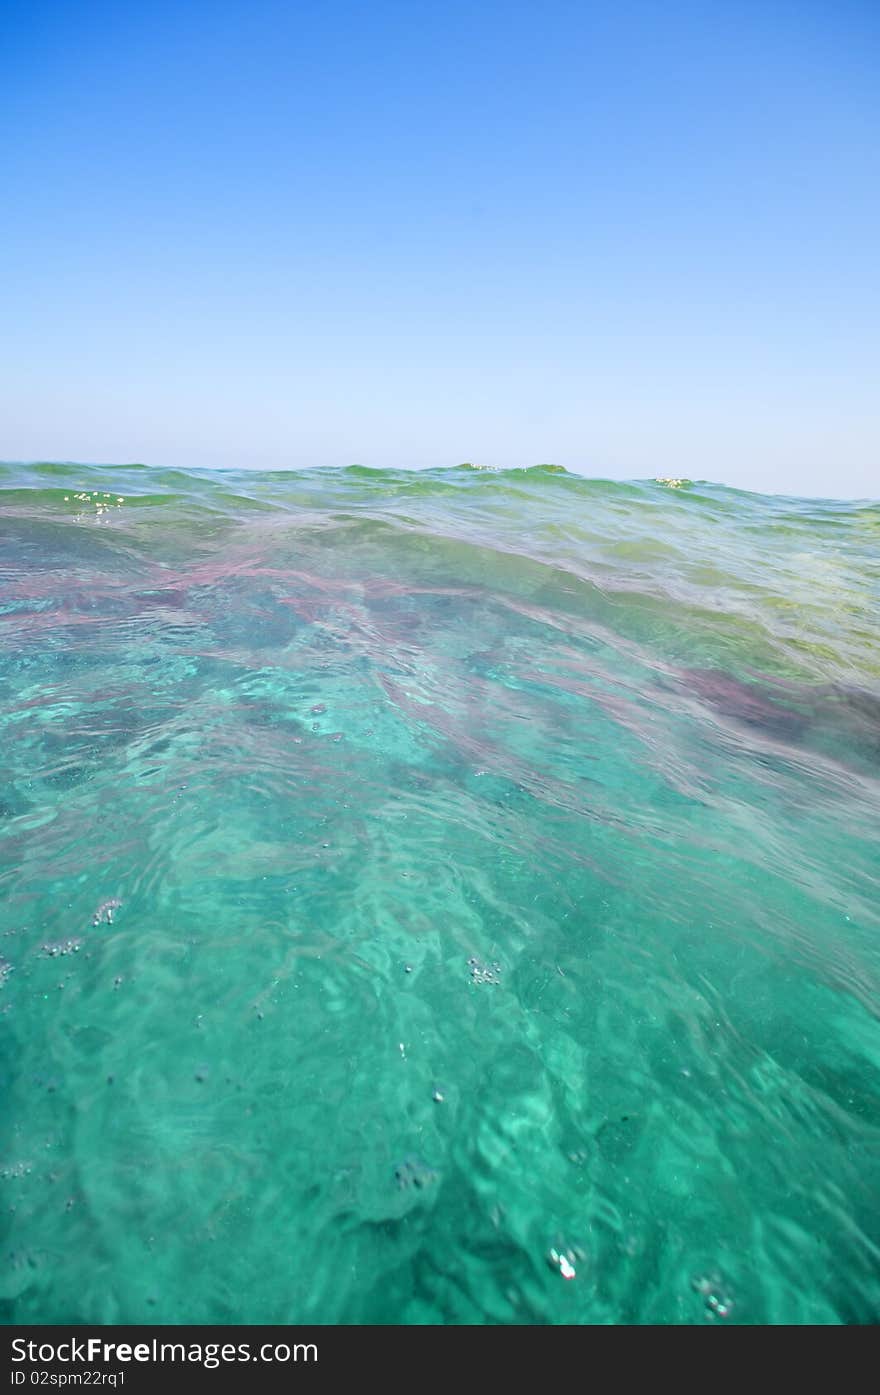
[496,859]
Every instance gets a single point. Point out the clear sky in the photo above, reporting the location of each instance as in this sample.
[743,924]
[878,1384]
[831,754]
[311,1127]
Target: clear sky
[630,237]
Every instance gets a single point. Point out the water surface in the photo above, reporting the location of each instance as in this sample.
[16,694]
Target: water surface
[497,866]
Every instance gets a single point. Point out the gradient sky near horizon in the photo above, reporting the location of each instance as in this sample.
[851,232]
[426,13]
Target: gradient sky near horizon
[629,238]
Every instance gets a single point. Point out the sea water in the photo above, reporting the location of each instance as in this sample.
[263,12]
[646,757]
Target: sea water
[436,897]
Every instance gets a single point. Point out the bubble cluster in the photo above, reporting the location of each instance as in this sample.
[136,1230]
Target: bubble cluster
[712,1290]
[104,913]
[58,949]
[102,502]
[484,973]
[563,1261]
[10,1170]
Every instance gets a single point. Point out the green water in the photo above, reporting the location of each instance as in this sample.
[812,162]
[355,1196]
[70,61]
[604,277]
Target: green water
[498,864]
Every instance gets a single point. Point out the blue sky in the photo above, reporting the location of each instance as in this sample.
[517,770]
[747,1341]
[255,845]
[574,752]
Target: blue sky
[630,238]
